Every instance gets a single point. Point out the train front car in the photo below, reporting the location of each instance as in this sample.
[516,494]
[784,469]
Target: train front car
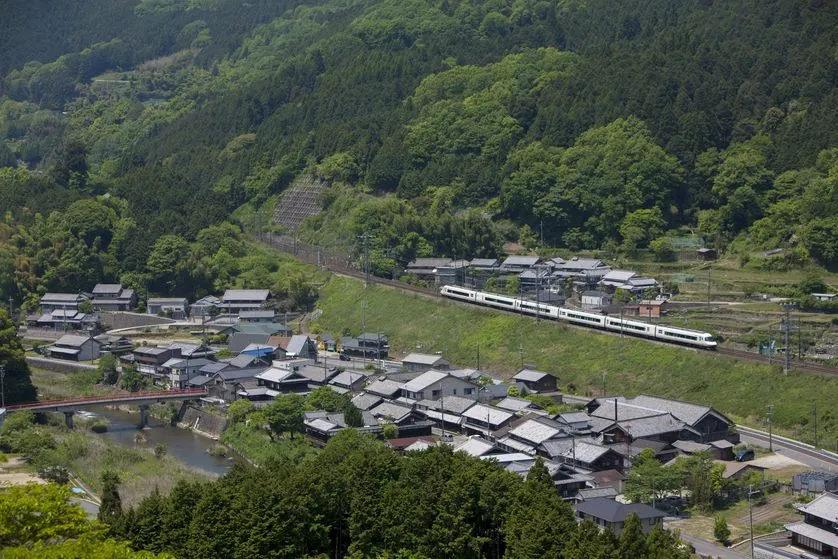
[686,337]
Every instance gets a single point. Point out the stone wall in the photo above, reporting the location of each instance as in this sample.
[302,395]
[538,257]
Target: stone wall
[202,421]
[58,365]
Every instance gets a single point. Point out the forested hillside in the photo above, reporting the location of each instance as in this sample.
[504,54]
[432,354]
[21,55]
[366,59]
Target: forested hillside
[598,123]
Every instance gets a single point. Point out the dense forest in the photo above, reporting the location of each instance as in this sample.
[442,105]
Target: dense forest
[443,127]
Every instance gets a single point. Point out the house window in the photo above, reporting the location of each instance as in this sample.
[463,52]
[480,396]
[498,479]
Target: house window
[467,391]
[435,394]
[455,392]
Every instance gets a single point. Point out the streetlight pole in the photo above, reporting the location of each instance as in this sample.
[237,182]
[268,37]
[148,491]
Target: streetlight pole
[2,386]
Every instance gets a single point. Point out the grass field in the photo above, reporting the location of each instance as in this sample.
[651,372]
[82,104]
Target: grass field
[52,385]
[580,357]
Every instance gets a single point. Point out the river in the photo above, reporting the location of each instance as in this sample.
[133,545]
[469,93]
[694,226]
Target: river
[183,445]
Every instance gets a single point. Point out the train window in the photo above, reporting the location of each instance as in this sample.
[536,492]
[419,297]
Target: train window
[500,301]
[581,317]
[458,292]
[679,335]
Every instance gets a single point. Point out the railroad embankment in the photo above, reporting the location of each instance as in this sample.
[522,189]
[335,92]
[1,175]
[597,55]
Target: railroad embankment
[580,357]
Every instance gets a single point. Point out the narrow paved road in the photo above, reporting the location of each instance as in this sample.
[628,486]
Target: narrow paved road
[708,549]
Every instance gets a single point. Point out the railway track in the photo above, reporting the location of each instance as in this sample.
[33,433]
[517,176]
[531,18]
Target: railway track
[794,364]
[434,294]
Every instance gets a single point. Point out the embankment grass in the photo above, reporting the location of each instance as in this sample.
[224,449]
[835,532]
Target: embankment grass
[579,357]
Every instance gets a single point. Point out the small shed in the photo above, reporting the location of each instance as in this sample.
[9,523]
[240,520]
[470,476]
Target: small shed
[706,254]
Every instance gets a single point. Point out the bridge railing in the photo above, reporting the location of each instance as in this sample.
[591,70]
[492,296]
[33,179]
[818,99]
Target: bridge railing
[117,397]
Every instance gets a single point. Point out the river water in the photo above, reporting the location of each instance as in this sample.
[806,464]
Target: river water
[183,445]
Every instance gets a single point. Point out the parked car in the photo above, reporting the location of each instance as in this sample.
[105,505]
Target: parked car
[344,357]
[745,455]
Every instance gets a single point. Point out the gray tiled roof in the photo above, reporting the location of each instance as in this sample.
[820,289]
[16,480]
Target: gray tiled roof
[651,426]
[347,379]
[422,358]
[610,510]
[246,295]
[686,412]
[535,432]
[384,387]
[480,412]
[514,404]
[452,404]
[520,261]
[71,340]
[475,446]
[530,375]
[389,409]
[365,401]
[824,506]
[582,451]
[424,380]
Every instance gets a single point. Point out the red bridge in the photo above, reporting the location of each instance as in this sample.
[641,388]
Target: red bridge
[143,399]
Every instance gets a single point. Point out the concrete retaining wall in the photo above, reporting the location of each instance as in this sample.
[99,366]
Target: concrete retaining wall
[59,366]
[113,321]
[203,422]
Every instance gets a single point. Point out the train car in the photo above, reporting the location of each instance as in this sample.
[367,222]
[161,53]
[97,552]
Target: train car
[498,301]
[681,336]
[459,293]
[581,317]
[633,327]
[538,309]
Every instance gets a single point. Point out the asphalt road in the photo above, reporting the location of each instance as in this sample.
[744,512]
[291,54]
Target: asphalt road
[708,549]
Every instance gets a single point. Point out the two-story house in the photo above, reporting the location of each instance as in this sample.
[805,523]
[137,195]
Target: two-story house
[818,532]
[235,301]
[112,297]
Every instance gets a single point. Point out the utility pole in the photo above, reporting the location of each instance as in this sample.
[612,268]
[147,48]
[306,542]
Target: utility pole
[363,328]
[799,355]
[521,353]
[366,238]
[708,289]
[478,356]
[751,517]
[2,386]
[815,413]
[770,421]
[787,327]
[604,376]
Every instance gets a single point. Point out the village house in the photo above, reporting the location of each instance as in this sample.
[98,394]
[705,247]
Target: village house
[815,482]
[369,344]
[582,453]
[818,532]
[178,370]
[172,307]
[66,319]
[518,264]
[595,300]
[112,297]
[257,316]
[610,514]
[72,347]
[350,381]
[702,423]
[386,388]
[586,271]
[421,362]
[646,308]
[205,307]
[536,381]
[433,385]
[425,269]
[481,419]
[61,301]
[235,301]
[149,360]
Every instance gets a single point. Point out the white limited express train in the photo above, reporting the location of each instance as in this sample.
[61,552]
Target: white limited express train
[594,320]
